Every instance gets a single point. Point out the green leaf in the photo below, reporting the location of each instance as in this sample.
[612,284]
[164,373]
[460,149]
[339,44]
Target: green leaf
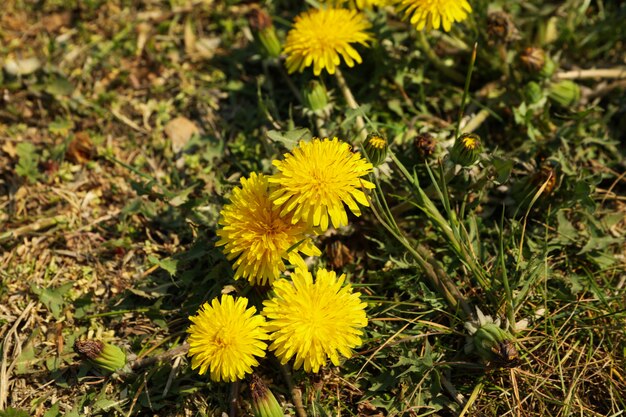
[25,360]
[291,138]
[503,169]
[53,411]
[12,412]
[52,298]
[183,196]
[59,86]
[599,243]
[168,264]
[60,127]
[28,161]
[567,233]
[351,114]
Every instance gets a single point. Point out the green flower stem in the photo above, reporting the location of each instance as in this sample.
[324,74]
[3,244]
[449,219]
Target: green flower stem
[451,229]
[439,280]
[456,228]
[475,122]
[468,78]
[437,62]
[296,394]
[233,399]
[352,103]
[290,83]
[615,73]
[505,65]
[510,314]
[455,299]
[319,124]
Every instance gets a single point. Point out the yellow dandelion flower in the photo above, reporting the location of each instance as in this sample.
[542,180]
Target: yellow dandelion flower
[225,337]
[314,321]
[317,178]
[360,4]
[369,4]
[321,36]
[432,14]
[258,236]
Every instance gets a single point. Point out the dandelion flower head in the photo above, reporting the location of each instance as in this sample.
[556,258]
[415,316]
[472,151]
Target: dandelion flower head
[433,14]
[317,178]
[256,234]
[225,338]
[470,142]
[377,142]
[314,321]
[360,4]
[321,37]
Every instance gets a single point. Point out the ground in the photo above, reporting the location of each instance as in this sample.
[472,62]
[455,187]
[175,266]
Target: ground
[124,127]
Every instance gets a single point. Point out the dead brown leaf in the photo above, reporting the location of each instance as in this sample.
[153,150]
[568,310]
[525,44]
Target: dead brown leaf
[180,130]
[81,149]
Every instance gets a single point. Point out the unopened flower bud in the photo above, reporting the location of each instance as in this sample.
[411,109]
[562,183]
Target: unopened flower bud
[564,93]
[533,58]
[264,403]
[466,149]
[316,99]
[376,148]
[425,144]
[264,32]
[490,341]
[536,62]
[547,177]
[533,92]
[105,356]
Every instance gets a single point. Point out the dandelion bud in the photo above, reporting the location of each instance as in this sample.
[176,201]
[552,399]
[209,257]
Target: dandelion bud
[376,148]
[537,62]
[547,175]
[533,58]
[316,99]
[564,93]
[261,24]
[501,28]
[425,144]
[466,150]
[546,179]
[105,356]
[490,341]
[533,92]
[264,403]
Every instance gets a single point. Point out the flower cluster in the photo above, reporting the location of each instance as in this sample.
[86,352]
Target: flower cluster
[323,37]
[269,222]
[256,234]
[311,320]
